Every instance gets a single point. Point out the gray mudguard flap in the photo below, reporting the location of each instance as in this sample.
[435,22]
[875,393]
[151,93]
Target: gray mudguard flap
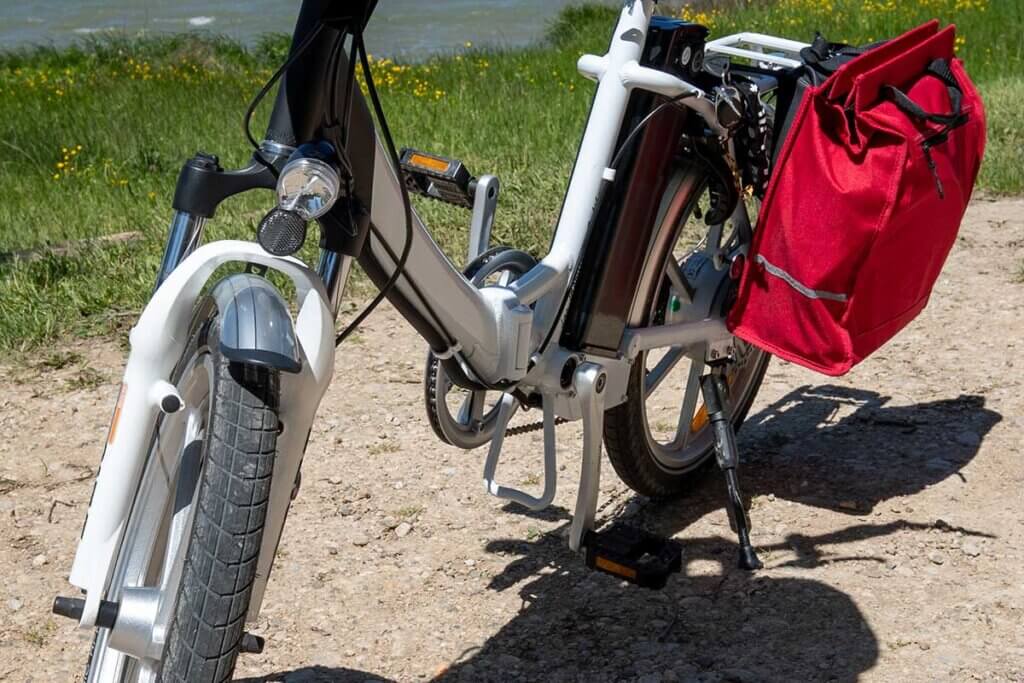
[255,324]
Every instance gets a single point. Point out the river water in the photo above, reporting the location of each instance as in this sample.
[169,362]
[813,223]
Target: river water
[399,27]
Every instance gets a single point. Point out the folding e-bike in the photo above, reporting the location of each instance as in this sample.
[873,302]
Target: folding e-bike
[222,382]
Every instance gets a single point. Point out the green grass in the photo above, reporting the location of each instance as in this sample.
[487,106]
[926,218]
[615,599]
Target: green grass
[92,137]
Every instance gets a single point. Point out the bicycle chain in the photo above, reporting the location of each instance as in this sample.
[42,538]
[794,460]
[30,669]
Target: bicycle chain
[532,427]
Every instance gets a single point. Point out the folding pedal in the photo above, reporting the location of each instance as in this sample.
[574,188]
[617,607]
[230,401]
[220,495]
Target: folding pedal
[437,177]
[633,554]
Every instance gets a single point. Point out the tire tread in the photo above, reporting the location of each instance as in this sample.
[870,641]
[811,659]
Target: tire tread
[220,565]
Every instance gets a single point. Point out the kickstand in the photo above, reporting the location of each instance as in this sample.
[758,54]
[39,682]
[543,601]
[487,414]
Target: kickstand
[714,390]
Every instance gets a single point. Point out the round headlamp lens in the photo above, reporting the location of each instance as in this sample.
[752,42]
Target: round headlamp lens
[308,186]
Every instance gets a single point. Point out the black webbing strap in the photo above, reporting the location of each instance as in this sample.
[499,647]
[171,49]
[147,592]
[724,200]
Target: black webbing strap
[940,69]
[825,58]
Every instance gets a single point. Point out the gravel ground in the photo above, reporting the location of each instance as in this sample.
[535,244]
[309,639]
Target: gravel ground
[886,505]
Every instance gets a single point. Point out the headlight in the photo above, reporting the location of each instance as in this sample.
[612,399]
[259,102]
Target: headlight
[308,184]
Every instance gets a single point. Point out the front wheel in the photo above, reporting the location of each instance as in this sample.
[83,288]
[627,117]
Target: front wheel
[193,537]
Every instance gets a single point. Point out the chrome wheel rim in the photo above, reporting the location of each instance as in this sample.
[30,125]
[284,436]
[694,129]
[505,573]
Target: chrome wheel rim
[467,417]
[677,433]
[149,566]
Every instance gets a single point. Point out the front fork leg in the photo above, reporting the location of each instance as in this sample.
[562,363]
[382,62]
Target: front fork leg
[589,382]
[714,390]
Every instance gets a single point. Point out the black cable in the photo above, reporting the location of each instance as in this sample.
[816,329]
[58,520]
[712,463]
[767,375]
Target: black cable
[643,122]
[347,109]
[406,202]
[331,118]
[247,119]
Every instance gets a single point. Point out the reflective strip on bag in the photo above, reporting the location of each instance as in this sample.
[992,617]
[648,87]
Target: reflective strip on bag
[796,284]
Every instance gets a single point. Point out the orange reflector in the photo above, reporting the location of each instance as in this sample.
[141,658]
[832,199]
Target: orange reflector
[699,420]
[117,414]
[614,568]
[433,163]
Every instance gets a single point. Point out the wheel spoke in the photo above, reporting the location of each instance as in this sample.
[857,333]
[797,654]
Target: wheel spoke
[188,480]
[656,375]
[674,272]
[714,239]
[472,409]
[689,402]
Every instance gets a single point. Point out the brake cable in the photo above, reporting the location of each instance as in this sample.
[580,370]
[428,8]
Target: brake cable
[614,162]
[251,109]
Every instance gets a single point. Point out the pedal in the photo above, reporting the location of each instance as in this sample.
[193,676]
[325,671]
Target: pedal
[437,177]
[634,555]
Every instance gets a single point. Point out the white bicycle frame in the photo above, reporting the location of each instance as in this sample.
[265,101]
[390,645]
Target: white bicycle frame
[497,332]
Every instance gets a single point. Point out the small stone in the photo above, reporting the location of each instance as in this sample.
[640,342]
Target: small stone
[345,510]
[684,670]
[968,438]
[470,563]
[14,604]
[848,504]
[696,603]
[632,508]
[359,539]
[740,676]
[403,529]
[334,480]
[936,557]
[938,464]
[924,646]
[507,661]
[970,548]
[39,560]
[873,572]
[705,661]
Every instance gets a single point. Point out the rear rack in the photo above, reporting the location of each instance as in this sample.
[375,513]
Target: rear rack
[760,48]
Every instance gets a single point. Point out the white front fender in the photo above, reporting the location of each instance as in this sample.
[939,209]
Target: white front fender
[157,342]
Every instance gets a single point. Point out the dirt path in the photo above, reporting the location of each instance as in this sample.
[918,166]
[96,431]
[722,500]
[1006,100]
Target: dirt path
[887,506]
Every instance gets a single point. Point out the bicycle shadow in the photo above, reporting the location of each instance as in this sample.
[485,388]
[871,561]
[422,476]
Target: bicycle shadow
[826,447]
[846,450]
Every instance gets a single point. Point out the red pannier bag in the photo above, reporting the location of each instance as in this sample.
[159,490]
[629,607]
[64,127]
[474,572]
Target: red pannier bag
[864,204]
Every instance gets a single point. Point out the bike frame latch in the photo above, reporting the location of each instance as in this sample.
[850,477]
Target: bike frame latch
[485,202]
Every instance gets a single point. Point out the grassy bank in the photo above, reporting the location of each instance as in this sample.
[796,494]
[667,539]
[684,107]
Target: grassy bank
[92,137]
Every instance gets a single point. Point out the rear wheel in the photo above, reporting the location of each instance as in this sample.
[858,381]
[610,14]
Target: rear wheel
[192,540]
[659,440]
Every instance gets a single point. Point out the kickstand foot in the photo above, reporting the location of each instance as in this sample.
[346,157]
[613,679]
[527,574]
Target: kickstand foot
[714,390]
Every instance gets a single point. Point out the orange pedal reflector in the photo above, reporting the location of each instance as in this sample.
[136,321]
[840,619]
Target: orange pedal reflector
[612,567]
[424,161]
[633,554]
